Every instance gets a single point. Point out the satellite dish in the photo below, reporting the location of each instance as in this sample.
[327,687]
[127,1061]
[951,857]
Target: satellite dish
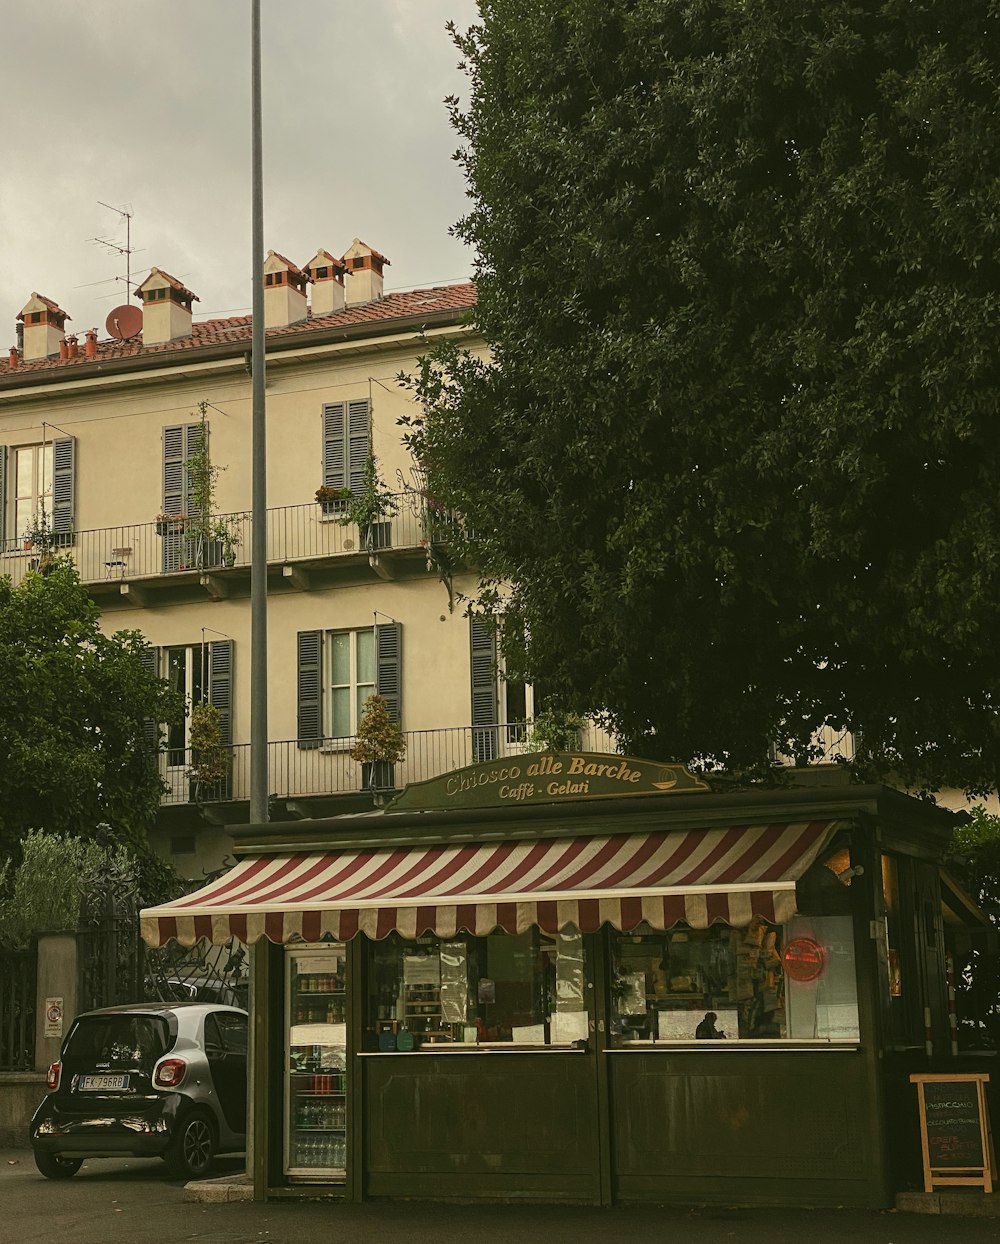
[124,322]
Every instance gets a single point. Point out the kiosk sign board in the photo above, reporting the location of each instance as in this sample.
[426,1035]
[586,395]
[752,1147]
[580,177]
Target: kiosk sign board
[955,1131]
[546,777]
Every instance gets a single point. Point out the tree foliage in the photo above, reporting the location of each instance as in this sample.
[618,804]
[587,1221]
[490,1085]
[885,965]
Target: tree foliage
[75,706]
[735,448]
[974,859]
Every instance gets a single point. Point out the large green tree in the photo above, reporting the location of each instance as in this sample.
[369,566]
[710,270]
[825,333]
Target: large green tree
[76,756]
[736,448]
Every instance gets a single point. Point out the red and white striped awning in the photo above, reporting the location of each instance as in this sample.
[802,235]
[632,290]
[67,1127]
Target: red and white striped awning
[658,878]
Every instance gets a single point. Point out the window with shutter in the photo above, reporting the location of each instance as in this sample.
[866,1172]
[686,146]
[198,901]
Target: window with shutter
[483,646]
[346,443]
[337,672]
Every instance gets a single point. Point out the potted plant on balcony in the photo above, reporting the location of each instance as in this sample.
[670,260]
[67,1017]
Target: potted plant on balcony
[378,745]
[209,754]
[166,523]
[555,730]
[226,532]
[332,500]
[368,506]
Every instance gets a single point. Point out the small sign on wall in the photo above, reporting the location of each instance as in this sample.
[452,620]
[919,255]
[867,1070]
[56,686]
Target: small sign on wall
[53,1018]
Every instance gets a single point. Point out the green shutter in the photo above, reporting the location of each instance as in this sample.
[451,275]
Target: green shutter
[483,645]
[220,694]
[64,487]
[346,443]
[358,443]
[3,497]
[149,658]
[388,667]
[179,441]
[310,688]
[334,445]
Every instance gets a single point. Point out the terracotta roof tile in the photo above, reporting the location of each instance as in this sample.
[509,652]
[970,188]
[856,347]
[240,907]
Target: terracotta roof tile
[237,328]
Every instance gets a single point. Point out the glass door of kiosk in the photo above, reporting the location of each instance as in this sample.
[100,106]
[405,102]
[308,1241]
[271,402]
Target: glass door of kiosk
[315,1148]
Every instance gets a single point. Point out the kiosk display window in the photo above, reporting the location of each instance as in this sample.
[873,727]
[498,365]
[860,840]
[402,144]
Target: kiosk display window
[524,989]
[725,984]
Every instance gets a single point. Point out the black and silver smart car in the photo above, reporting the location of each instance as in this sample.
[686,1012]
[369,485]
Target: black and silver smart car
[157,1079]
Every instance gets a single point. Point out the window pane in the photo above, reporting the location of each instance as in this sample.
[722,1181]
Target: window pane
[24,472]
[341,718]
[361,699]
[366,657]
[340,646]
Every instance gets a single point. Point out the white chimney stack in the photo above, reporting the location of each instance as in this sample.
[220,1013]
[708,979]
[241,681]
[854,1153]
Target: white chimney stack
[364,273]
[284,292]
[43,327]
[166,308]
[327,277]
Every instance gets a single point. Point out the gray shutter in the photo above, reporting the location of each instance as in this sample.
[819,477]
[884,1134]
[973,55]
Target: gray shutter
[388,667]
[64,487]
[150,660]
[358,443]
[178,442]
[334,445]
[193,433]
[346,443]
[483,641]
[220,695]
[310,688]
[174,488]
[3,497]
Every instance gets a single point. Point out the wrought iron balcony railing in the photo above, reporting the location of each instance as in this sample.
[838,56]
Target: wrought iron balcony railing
[296,772]
[168,546]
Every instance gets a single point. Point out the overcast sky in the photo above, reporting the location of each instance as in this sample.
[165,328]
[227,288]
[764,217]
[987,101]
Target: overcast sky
[146,104]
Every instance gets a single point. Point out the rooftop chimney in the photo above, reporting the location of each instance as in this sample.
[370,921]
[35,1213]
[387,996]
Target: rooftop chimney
[166,308]
[364,273]
[327,276]
[284,292]
[43,327]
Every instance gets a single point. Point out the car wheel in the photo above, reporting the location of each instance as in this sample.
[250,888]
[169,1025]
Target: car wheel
[54,1167]
[191,1151]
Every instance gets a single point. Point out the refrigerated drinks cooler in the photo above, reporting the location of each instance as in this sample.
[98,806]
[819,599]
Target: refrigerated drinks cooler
[316,1064]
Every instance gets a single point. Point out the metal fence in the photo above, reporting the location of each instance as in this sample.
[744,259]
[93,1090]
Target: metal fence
[17,1009]
[294,533]
[329,769]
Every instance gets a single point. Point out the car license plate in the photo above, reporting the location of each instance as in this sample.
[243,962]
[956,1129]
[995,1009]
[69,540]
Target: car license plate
[102,1083]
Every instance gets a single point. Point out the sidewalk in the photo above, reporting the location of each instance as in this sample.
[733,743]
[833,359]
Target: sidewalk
[134,1201]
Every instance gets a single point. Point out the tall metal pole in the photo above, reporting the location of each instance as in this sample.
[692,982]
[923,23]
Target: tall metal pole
[258,495]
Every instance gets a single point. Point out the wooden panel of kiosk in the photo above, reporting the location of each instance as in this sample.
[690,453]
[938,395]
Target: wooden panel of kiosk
[745,1127]
[481,1125]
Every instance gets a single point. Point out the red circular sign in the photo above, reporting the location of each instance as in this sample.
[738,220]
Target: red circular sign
[804,959]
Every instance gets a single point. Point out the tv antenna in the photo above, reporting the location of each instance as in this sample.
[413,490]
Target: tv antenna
[127,250]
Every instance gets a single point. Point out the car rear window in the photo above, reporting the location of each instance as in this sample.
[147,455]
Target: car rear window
[117,1041]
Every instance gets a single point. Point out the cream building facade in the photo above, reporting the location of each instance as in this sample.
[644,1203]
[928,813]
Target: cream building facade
[97,442]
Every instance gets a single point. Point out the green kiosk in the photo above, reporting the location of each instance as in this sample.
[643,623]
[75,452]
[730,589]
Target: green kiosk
[590,978]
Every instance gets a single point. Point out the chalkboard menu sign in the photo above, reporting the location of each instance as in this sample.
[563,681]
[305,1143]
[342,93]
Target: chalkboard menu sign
[954,1127]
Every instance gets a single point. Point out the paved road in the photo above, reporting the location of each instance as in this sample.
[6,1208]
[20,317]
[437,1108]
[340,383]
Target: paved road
[134,1201]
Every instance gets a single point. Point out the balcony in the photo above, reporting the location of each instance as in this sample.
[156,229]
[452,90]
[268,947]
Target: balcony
[311,773]
[307,547]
